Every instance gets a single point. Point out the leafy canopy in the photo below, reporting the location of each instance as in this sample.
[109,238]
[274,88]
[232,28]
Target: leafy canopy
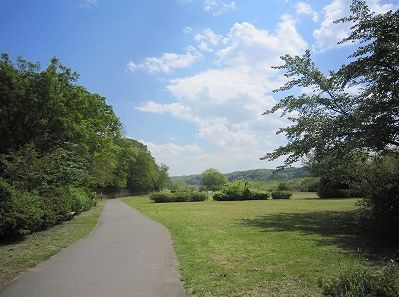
[213,179]
[353,108]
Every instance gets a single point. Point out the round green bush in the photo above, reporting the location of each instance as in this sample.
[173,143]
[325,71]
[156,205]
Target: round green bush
[160,197]
[281,195]
[198,196]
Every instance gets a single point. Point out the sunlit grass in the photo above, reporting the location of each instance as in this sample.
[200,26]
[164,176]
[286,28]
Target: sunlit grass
[259,248]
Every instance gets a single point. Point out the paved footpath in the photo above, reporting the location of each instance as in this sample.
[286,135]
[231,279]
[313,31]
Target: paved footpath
[128,255]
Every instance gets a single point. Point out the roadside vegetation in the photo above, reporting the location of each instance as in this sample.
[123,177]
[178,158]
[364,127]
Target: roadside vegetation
[24,252]
[59,144]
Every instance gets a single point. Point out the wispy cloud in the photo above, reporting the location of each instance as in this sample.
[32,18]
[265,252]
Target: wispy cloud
[218,7]
[166,62]
[88,4]
[214,7]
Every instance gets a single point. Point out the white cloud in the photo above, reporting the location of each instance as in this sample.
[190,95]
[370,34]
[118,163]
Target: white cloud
[250,46]
[306,9]
[225,103]
[166,62]
[209,40]
[329,34]
[218,7]
[177,157]
[175,109]
[89,4]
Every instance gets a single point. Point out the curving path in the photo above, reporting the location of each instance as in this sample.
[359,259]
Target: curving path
[127,255]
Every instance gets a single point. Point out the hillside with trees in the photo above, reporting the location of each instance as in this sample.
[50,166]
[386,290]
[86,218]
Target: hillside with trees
[59,143]
[250,175]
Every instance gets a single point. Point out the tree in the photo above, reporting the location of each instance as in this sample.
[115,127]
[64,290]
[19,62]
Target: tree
[351,112]
[213,179]
[333,119]
[46,108]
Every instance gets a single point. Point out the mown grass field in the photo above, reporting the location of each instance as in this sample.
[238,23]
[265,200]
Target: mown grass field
[260,248]
[21,254]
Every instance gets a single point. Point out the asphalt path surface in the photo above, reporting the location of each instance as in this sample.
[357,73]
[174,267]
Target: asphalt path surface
[127,255]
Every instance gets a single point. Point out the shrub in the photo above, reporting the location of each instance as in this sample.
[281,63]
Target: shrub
[198,196]
[178,196]
[333,189]
[81,200]
[181,196]
[259,195]
[160,197]
[282,187]
[20,212]
[281,195]
[361,282]
[380,206]
[238,190]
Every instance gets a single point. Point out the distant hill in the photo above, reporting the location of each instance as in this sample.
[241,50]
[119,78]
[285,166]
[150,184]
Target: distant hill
[253,175]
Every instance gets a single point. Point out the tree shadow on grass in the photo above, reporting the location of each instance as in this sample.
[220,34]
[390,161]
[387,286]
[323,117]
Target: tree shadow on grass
[338,228]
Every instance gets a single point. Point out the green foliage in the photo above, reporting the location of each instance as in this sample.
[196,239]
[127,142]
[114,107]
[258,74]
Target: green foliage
[213,179]
[29,169]
[20,213]
[329,119]
[360,282]
[198,196]
[380,205]
[81,199]
[238,190]
[178,196]
[143,174]
[58,142]
[250,175]
[329,188]
[278,194]
[305,184]
[47,109]
[282,186]
[333,124]
[160,197]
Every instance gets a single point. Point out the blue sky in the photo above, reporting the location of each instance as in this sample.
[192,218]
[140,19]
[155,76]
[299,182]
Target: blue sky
[189,78]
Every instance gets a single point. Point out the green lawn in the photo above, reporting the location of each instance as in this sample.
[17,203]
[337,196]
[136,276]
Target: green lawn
[20,255]
[259,248]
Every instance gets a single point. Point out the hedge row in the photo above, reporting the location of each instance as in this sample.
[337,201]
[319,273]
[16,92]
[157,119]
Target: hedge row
[23,212]
[245,195]
[179,196]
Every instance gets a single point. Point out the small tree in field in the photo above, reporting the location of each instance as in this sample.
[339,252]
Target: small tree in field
[213,179]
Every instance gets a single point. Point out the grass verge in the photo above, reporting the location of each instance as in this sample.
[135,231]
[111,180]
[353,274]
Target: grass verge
[24,253]
[259,248]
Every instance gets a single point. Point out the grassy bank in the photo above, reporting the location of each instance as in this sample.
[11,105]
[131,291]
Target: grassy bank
[24,253]
[259,248]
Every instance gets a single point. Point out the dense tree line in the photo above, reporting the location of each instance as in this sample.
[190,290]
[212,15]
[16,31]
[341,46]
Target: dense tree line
[348,125]
[250,175]
[58,143]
